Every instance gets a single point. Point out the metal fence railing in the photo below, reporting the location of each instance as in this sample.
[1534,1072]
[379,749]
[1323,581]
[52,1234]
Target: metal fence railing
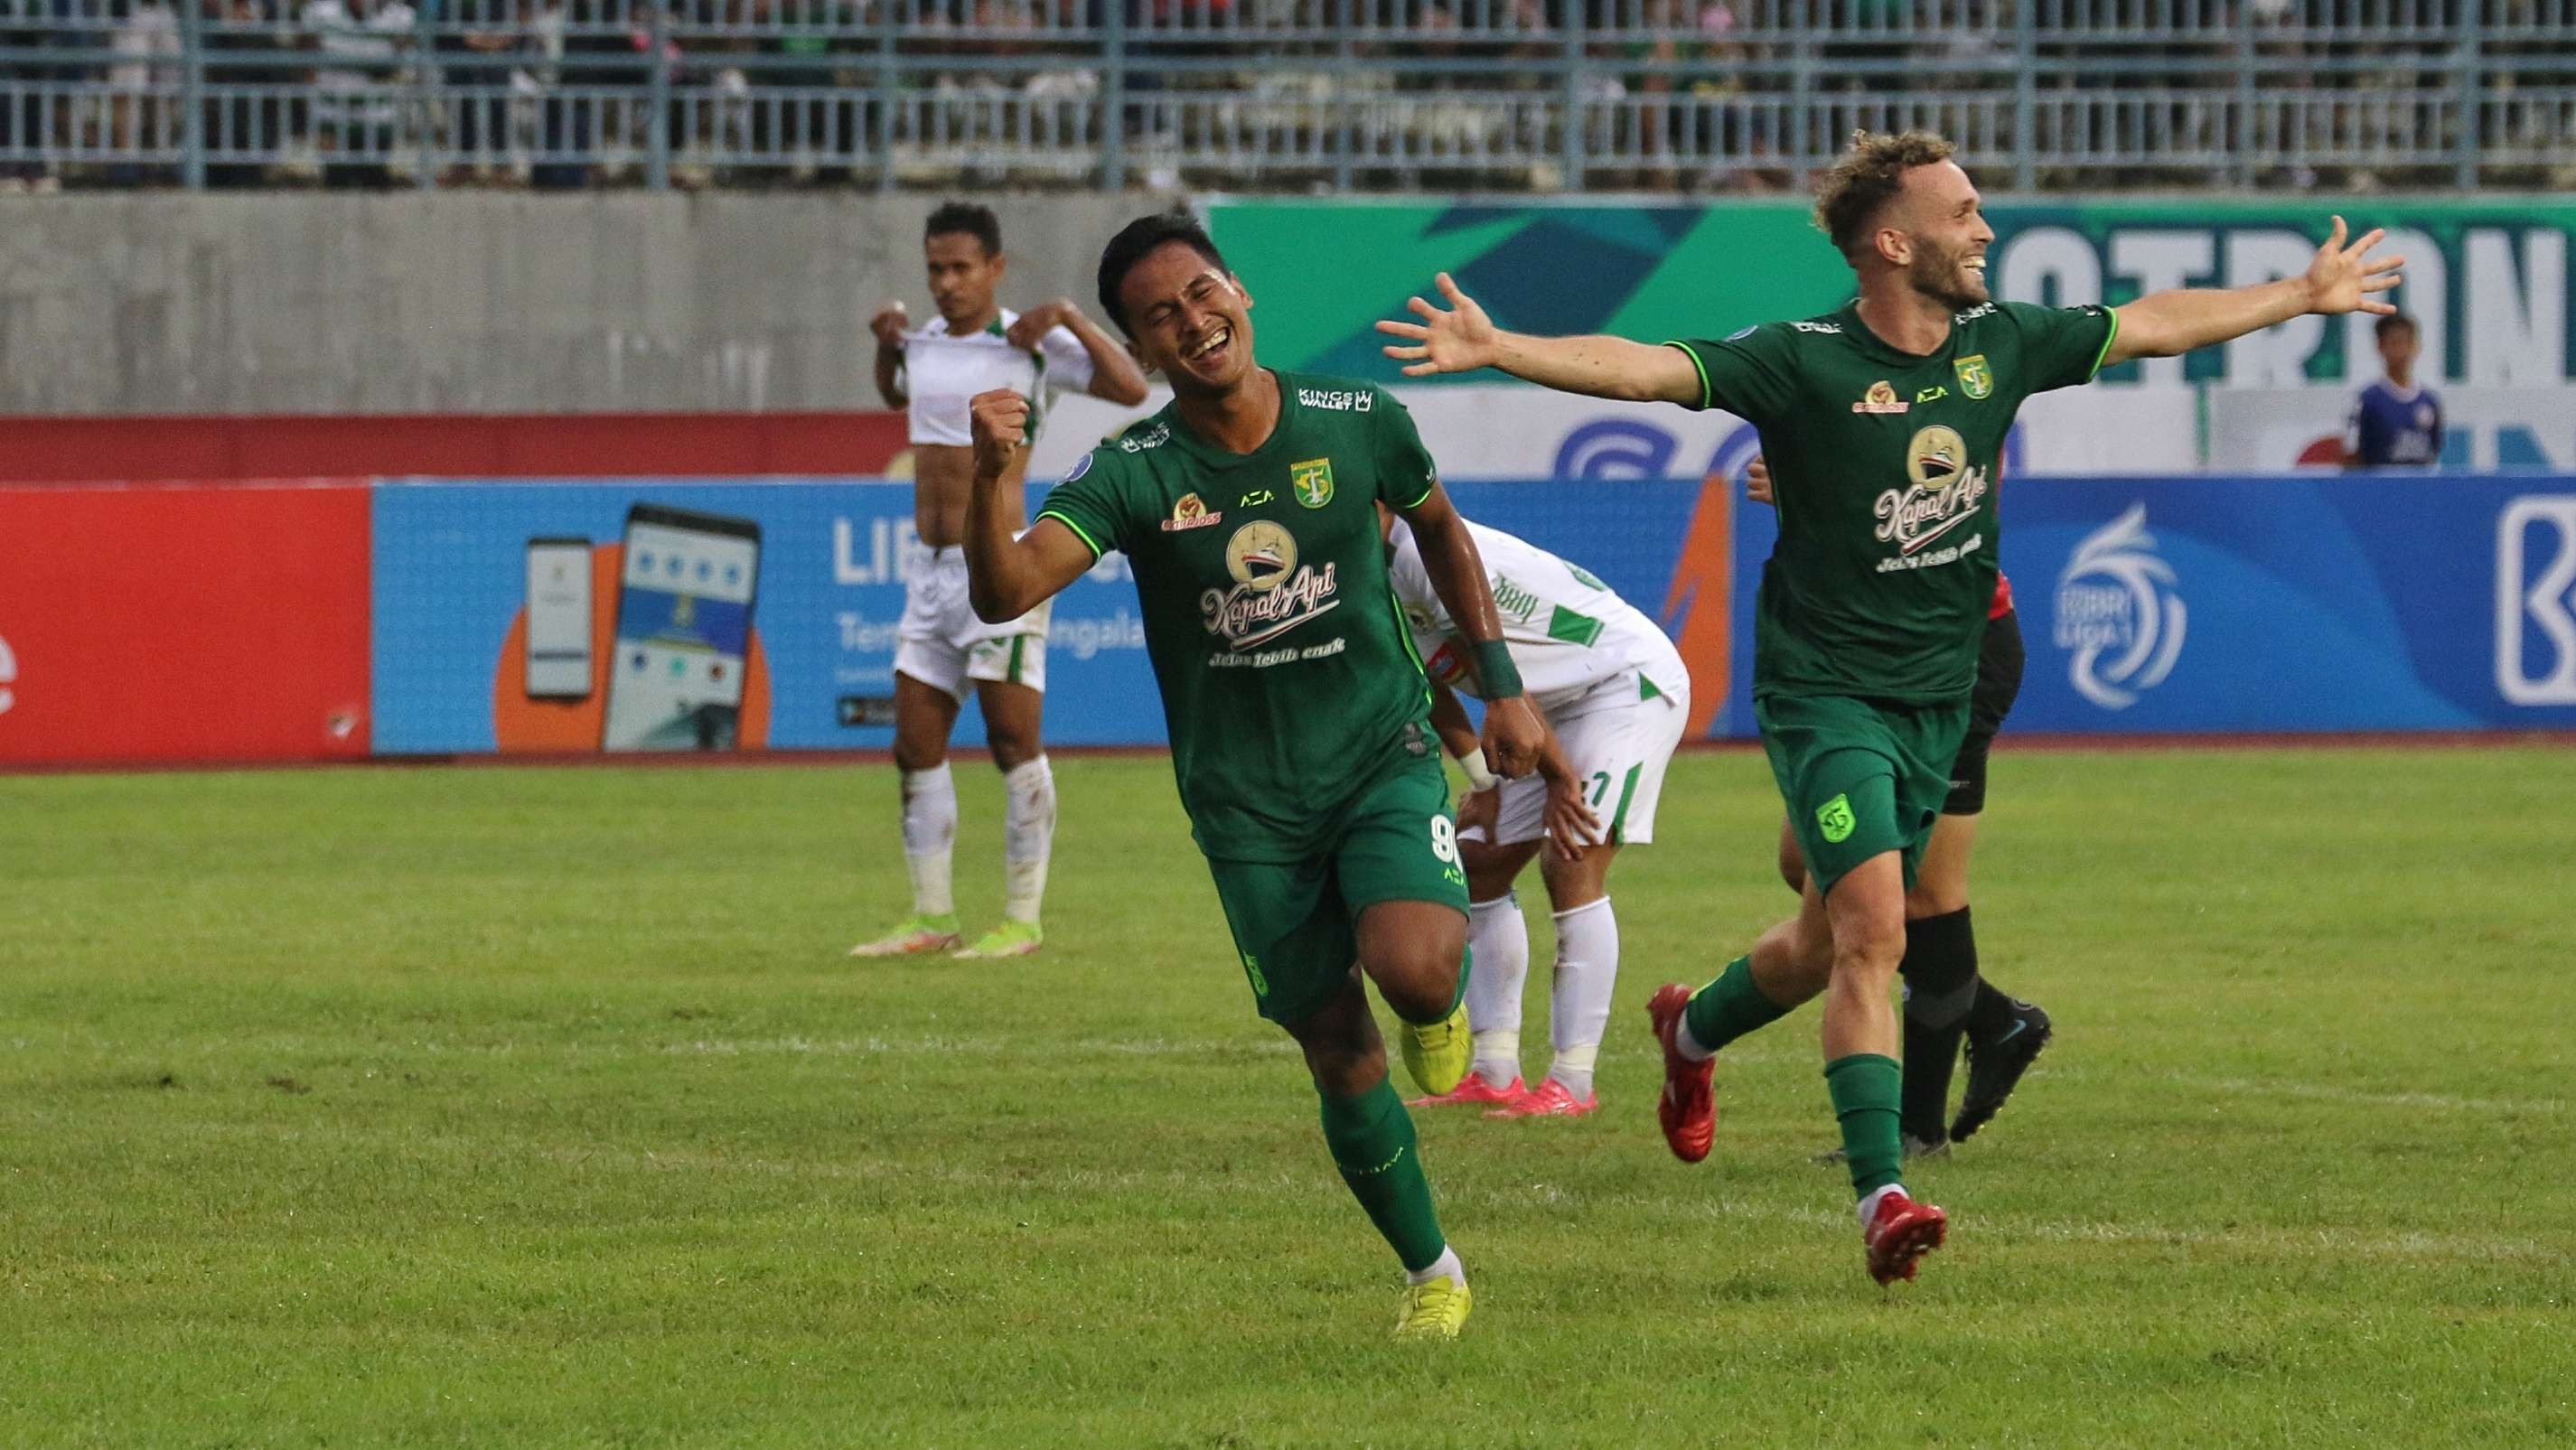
[1279,94]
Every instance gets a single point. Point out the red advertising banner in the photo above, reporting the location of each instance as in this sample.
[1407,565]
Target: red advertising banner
[577,445]
[207,622]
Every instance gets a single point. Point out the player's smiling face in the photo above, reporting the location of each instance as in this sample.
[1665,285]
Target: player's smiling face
[1944,219]
[1190,319]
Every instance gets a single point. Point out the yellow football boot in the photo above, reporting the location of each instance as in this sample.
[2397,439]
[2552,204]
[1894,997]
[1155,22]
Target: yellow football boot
[1438,1055]
[1436,1310]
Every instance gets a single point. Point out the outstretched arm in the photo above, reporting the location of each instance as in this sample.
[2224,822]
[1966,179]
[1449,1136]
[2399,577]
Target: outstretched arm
[2341,279]
[1513,733]
[1463,339]
[1007,577]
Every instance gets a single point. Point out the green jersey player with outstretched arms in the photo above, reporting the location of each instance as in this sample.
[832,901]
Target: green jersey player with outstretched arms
[1883,422]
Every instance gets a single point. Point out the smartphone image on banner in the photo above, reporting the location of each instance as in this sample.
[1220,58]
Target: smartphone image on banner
[683,634]
[558,619]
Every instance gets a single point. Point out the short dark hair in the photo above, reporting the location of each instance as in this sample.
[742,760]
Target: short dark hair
[2391,323]
[968,219]
[1850,193]
[1138,240]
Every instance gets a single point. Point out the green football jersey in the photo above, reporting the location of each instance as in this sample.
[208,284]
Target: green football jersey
[1289,682]
[1883,466]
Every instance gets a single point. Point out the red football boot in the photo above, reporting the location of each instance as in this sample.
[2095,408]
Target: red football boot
[1473,1090]
[1900,1233]
[1550,1099]
[1688,1107]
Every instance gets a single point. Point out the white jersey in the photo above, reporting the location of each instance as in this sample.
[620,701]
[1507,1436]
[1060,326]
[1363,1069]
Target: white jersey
[942,374]
[1577,645]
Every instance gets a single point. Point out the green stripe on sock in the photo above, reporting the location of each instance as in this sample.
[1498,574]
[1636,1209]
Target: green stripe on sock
[1729,1007]
[1372,1142]
[1865,1088]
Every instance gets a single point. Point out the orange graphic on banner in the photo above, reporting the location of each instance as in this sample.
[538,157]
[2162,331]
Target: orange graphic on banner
[521,726]
[1699,608]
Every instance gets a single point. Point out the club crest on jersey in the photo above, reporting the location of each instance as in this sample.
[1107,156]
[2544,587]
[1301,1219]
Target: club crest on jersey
[1272,594]
[1881,398]
[1312,482]
[1190,513]
[1944,492]
[1975,378]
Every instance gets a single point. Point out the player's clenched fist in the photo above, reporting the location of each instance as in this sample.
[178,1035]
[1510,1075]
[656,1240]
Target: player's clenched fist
[1000,421]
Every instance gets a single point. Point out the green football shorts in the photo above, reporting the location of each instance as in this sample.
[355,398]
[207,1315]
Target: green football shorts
[1295,922]
[1860,777]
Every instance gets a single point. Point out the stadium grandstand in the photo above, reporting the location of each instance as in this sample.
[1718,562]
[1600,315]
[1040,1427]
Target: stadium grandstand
[1684,96]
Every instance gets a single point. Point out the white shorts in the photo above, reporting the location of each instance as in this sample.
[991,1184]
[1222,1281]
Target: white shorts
[942,644]
[1619,749]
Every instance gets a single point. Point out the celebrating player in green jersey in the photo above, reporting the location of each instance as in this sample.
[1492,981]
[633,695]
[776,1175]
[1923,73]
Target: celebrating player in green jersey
[1298,711]
[1883,422]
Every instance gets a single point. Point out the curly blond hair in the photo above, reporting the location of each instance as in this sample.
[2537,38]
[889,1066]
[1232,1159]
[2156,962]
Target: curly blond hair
[1864,178]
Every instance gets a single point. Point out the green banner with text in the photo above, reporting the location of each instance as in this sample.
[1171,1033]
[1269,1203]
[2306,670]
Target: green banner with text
[2488,278]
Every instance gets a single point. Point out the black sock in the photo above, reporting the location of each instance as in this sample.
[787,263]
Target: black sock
[1940,972]
[1994,1013]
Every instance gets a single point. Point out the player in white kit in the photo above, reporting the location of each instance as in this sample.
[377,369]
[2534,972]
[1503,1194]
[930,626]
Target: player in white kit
[1616,699]
[941,649]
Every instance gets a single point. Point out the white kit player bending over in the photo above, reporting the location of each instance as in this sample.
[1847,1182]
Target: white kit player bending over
[1616,699]
[941,648]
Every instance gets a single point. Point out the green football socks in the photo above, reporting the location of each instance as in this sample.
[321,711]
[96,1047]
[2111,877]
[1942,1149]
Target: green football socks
[1371,1138]
[1729,1007]
[1865,1088]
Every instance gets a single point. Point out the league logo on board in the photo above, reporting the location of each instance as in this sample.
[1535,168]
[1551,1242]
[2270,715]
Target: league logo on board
[1881,398]
[2118,612]
[1975,378]
[1312,481]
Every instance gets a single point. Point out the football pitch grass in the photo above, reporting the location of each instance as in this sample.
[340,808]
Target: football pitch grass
[533,1107]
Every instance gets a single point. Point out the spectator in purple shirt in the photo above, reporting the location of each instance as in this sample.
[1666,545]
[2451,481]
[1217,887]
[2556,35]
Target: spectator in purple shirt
[2395,423]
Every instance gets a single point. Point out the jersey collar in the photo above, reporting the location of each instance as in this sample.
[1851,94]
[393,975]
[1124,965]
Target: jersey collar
[1215,457]
[1879,348]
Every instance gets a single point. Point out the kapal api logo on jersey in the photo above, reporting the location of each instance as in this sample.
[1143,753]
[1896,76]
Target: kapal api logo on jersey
[1881,398]
[1190,513]
[1975,378]
[1272,593]
[1312,481]
[2117,609]
[1943,494]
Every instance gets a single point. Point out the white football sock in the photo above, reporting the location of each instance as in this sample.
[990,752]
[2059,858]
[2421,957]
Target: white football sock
[1869,1201]
[1587,968]
[1028,838]
[929,832]
[1498,946]
[1447,1264]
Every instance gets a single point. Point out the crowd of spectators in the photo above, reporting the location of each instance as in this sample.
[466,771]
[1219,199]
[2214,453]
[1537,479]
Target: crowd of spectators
[1665,94]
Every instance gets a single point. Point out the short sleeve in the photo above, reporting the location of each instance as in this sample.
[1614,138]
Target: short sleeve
[1090,502]
[1068,362]
[1406,473]
[2062,346]
[1749,374]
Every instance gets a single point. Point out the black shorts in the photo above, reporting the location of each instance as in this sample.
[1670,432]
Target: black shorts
[1999,666]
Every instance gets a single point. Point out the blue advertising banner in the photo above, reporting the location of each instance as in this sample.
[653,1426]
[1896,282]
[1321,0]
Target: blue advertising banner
[577,616]
[486,638]
[2313,603]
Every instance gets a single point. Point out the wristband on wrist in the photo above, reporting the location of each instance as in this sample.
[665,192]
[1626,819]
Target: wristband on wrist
[1495,670]
[1479,776]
